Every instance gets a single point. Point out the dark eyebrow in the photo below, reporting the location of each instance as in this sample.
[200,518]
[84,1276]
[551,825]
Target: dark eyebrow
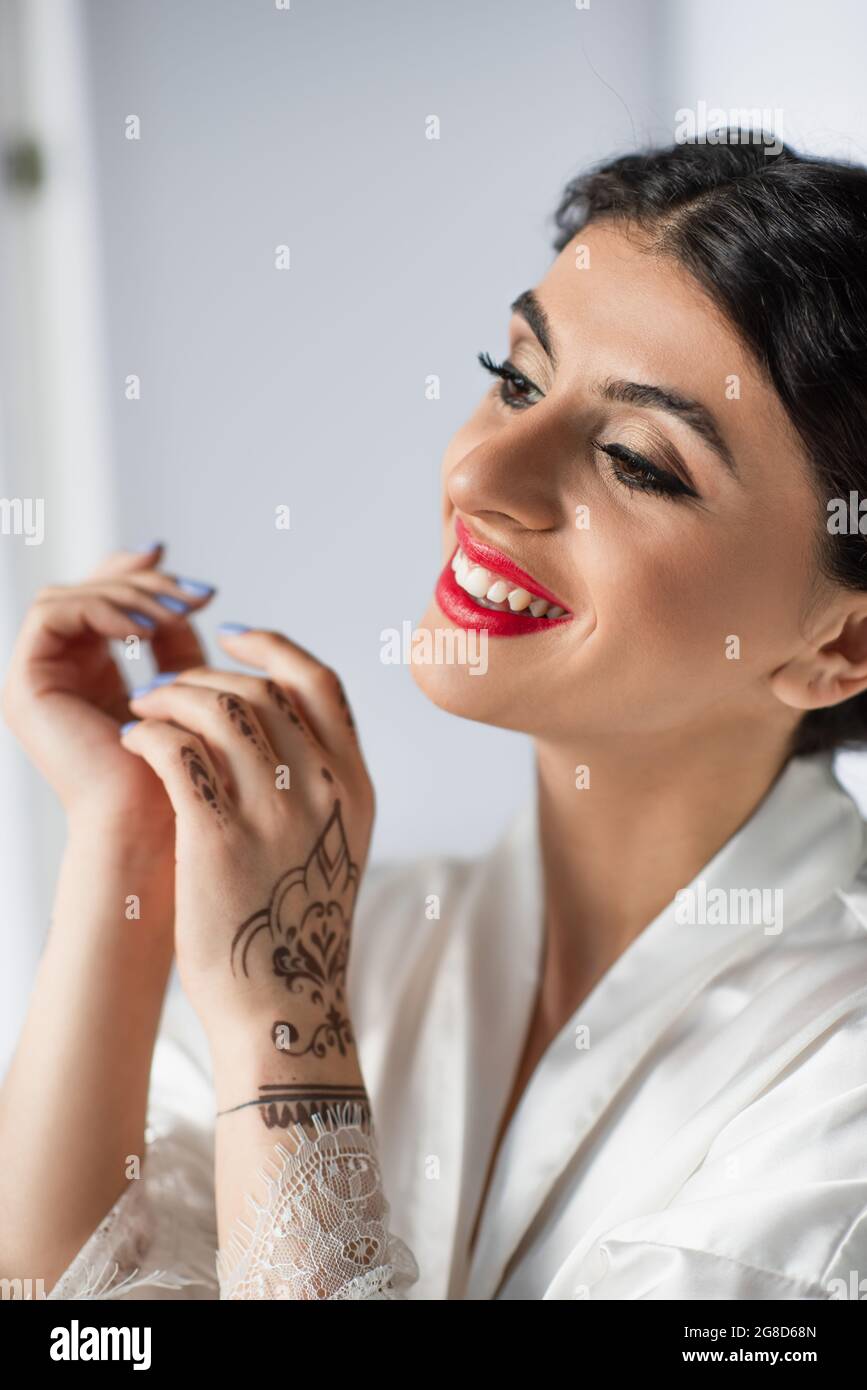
[691,412]
[528,306]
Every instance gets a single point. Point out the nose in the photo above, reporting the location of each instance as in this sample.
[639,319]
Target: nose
[519,473]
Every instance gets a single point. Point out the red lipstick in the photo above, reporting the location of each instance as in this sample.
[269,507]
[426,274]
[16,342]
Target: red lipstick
[492,559]
[459,606]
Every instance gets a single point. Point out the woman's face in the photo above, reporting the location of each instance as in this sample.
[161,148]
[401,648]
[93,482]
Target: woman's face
[677,534]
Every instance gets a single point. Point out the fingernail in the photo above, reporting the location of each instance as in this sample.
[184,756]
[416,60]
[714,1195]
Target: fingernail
[141,618]
[125,728]
[175,605]
[194,586]
[229,628]
[145,549]
[164,678]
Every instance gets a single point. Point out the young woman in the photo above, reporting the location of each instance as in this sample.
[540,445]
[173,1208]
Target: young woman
[624,1056]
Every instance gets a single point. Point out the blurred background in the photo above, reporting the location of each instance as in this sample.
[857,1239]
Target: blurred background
[156,153]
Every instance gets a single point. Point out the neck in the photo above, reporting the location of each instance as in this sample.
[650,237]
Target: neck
[615,854]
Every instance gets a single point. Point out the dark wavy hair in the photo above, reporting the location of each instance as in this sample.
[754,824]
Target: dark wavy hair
[779,242]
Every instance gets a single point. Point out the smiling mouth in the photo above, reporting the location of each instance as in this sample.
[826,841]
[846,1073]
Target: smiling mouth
[481,587]
[495,581]
[493,591]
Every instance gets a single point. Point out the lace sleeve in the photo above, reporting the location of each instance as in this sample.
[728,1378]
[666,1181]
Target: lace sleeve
[322,1230]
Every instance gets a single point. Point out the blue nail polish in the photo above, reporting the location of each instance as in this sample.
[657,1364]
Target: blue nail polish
[146,549]
[193,586]
[175,605]
[125,728]
[230,628]
[141,618]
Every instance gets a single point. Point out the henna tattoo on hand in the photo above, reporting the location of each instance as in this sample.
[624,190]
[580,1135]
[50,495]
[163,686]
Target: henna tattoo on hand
[283,1035]
[345,706]
[238,713]
[281,700]
[284,704]
[303,934]
[203,782]
[283,1105]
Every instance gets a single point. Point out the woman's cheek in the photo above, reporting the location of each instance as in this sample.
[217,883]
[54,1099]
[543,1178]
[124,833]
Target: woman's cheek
[664,611]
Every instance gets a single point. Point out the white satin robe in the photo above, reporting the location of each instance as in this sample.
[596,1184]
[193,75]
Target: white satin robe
[709,1143]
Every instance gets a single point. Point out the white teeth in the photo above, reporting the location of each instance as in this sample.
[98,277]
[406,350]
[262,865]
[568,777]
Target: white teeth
[492,592]
[478,581]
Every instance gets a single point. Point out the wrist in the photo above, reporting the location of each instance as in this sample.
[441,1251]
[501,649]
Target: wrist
[118,885]
[104,832]
[249,1055]
[258,1018]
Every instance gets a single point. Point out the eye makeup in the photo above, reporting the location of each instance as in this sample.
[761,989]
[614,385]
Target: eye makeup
[631,469]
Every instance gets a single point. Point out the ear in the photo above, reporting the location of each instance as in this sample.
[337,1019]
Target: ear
[828,674]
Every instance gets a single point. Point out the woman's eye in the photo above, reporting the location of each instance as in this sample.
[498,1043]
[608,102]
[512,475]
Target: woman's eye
[631,470]
[516,390]
[638,473]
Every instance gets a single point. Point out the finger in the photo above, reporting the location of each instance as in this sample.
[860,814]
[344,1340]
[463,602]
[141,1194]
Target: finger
[160,604]
[156,595]
[175,643]
[276,710]
[49,628]
[318,688]
[184,766]
[80,613]
[129,561]
[155,605]
[189,591]
[228,725]
[177,646]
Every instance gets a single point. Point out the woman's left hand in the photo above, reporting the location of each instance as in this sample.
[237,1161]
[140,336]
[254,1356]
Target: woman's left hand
[274,810]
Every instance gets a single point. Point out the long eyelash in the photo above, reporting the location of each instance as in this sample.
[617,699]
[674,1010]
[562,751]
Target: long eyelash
[507,372]
[649,479]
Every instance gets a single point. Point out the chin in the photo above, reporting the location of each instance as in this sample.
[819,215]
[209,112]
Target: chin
[487,696]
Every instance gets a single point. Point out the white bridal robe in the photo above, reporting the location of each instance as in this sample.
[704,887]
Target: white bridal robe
[698,1129]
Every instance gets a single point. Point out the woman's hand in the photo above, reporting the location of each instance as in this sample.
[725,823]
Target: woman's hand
[64,697]
[88,1037]
[274,811]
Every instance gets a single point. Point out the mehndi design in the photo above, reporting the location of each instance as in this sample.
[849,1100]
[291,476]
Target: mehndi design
[303,936]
